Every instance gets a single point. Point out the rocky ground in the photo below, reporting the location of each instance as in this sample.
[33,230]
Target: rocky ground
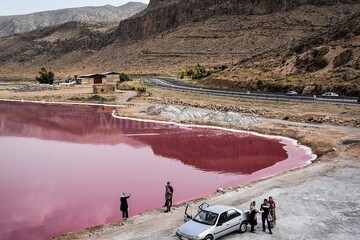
[319,201]
[35,88]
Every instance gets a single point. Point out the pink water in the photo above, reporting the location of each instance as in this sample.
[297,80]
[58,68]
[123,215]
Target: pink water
[62,168]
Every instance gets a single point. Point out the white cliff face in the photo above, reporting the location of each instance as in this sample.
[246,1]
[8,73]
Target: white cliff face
[24,23]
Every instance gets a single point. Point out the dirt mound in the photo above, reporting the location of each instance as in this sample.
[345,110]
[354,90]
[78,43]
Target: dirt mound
[186,113]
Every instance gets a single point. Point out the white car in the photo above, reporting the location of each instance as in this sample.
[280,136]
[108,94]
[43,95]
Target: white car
[213,222]
[291,93]
[330,94]
[72,83]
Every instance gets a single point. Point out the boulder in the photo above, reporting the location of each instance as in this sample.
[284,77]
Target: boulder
[309,89]
[349,74]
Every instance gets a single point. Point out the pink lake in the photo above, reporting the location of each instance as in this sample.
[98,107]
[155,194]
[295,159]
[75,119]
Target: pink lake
[62,168]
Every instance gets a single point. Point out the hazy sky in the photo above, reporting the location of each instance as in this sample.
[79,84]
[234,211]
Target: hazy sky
[16,7]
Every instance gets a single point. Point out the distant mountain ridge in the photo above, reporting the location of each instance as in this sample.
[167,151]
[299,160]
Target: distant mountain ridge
[24,23]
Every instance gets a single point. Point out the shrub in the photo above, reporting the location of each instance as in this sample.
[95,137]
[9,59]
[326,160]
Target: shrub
[320,62]
[276,87]
[46,77]
[132,85]
[342,89]
[124,77]
[201,72]
[190,73]
[182,74]
[259,83]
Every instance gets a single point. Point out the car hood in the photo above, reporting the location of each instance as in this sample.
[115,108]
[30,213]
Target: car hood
[192,228]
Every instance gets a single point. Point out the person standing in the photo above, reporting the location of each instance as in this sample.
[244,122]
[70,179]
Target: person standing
[252,217]
[168,196]
[172,193]
[265,207]
[272,211]
[124,207]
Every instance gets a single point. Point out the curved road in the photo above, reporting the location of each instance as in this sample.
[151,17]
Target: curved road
[170,83]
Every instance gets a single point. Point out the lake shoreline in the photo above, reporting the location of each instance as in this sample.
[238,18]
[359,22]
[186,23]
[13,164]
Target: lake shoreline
[330,176]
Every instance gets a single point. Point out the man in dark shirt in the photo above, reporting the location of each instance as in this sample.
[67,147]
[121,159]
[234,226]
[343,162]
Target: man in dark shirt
[172,193]
[265,207]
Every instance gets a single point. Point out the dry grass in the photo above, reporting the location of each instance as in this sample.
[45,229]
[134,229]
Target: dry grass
[134,85]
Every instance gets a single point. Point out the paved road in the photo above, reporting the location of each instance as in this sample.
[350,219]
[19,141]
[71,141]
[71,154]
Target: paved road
[170,83]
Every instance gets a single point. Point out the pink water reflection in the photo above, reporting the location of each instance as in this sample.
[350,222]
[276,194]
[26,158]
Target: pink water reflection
[62,167]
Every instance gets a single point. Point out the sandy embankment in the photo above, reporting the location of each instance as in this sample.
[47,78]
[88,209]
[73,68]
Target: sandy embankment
[320,201]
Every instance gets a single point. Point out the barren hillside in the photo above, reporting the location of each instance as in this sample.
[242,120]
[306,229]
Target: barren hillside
[267,46]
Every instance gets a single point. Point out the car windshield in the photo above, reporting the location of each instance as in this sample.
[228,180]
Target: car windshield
[206,217]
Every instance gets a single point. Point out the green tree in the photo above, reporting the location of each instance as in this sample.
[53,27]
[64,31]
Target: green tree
[124,77]
[190,73]
[46,77]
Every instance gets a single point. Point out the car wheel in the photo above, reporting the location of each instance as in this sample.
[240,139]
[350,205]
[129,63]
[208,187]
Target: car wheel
[243,227]
[208,237]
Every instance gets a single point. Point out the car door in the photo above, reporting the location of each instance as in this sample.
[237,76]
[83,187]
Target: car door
[221,227]
[228,222]
[234,220]
[188,215]
[202,206]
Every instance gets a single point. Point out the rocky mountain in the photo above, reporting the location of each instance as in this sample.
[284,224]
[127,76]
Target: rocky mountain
[310,46]
[24,23]
[162,15]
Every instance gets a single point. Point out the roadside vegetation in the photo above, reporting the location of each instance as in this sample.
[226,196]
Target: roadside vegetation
[132,85]
[200,72]
[126,83]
